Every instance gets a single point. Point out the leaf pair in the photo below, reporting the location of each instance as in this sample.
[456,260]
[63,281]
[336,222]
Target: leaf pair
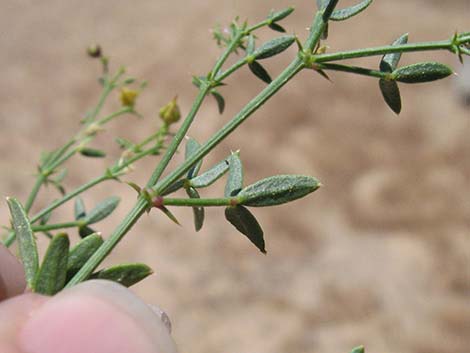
[415,73]
[270,191]
[266,50]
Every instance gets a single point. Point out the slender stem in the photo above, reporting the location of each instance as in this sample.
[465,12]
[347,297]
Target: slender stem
[46,227]
[158,186]
[387,49]
[199,202]
[230,70]
[179,136]
[68,197]
[34,192]
[296,66]
[109,243]
[353,69]
[111,116]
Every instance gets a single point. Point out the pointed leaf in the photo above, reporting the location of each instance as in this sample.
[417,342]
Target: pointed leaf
[81,252]
[79,208]
[348,12]
[235,175]
[277,28]
[170,215]
[197,211]
[277,189]
[125,274]
[102,210]
[52,274]
[85,231]
[220,101]
[92,152]
[391,94]
[191,147]
[273,47]
[212,175]
[422,72]
[260,71]
[174,187]
[26,241]
[389,62]
[359,349]
[280,15]
[246,223]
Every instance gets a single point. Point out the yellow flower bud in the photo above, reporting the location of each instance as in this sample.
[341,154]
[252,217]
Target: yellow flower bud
[128,97]
[170,113]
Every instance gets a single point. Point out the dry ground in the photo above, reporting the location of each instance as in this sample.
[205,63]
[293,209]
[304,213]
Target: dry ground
[379,256]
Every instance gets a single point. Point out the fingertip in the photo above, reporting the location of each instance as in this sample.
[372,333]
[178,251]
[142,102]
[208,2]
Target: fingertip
[12,280]
[97,316]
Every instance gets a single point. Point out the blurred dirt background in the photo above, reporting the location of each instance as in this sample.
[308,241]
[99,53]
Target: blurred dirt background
[380,256]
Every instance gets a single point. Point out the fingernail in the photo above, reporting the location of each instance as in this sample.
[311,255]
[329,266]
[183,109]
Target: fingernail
[95,316]
[162,315]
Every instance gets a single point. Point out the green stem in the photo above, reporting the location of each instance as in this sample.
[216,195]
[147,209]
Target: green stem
[179,136]
[387,49]
[109,244]
[230,70]
[199,202]
[296,66]
[47,227]
[142,204]
[353,69]
[34,192]
[110,117]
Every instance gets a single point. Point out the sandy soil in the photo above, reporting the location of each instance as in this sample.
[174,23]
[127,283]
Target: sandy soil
[380,256]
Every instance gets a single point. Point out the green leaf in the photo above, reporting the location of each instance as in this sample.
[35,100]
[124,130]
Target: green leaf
[220,101]
[79,208]
[92,152]
[273,47]
[81,252]
[197,211]
[170,215]
[359,349]
[26,241]
[212,175]
[277,189]
[422,72]
[280,15]
[52,274]
[102,210]
[260,71]
[235,175]
[321,4]
[191,147]
[246,223]
[125,274]
[390,61]
[391,94]
[85,231]
[348,12]
[174,187]
[277,28]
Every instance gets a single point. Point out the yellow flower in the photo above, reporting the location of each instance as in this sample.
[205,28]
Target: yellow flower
[128,97]
[170,113]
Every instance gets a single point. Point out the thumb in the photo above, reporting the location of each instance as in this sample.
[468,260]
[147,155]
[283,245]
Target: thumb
[95,316]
